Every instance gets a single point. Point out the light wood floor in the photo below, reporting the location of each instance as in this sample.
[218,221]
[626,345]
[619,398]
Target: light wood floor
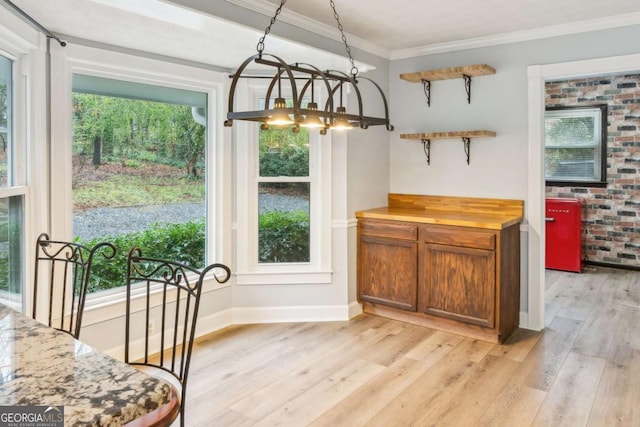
[583,370]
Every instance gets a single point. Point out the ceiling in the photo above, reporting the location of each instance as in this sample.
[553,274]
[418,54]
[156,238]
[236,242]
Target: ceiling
[402,28]
[410,24]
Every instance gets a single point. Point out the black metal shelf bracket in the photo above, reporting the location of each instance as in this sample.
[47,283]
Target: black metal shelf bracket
[426,147]
[467,86]
[467,147]
[426,84]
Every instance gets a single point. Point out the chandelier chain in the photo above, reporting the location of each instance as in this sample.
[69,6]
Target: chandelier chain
[354,69]
[260,45]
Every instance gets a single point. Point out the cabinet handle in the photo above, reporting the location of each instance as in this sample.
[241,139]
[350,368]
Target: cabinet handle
[549,219]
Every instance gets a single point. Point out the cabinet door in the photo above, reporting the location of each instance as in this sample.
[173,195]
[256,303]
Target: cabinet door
[458,283]
[387,271]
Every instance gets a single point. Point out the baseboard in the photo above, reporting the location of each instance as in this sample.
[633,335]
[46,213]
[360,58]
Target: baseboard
[206,325]
[214,322]
[611,265]
[524,320]
[245,315]
[355,309]
[136,349]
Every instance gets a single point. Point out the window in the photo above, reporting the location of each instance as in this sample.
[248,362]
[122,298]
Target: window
[139,172]
[575,145]
[283,202]
[284,190]
[192,98]
[11,195]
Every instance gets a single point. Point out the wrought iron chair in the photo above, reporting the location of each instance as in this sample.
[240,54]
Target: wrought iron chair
[162,303]
[63,270]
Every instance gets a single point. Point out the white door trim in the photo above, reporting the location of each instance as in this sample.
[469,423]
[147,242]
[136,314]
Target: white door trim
[537,75]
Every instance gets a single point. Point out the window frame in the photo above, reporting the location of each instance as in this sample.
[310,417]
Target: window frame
[602,182]
[249,270]
[24,46]
[15,189]
[121,66]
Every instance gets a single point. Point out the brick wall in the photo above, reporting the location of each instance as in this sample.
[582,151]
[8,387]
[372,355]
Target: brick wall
[612,217]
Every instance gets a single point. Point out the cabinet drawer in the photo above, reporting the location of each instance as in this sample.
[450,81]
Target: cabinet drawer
[459,237]
[396,230]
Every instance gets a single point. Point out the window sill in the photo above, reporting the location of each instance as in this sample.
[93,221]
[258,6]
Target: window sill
[575,184]
[11,300]
[284,278]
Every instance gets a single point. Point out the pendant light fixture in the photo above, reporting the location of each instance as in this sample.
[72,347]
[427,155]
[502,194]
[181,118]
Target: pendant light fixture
[339,121]
[280,116]
[295,115]
[312,119]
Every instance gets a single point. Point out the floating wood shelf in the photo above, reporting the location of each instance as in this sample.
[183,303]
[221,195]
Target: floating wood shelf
[449,73]
[450,135]
[465,135]
[465,72]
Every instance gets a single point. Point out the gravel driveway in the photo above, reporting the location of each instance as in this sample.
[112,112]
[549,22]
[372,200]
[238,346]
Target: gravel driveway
[103,222]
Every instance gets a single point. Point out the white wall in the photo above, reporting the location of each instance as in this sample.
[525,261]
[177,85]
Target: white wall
[359,180]
[498,102]
[366,165]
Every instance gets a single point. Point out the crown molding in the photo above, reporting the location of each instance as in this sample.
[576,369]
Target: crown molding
[304,22]
[520,36]
[16,32]
[266,8]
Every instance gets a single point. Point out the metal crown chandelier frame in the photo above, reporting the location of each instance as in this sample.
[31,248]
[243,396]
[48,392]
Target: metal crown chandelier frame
[277,113]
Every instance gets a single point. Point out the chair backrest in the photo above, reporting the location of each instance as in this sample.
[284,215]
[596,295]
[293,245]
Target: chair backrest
[162,303]
[63,272]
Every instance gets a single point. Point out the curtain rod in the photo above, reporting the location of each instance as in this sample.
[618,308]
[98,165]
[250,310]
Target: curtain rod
[248,76]
[35,23]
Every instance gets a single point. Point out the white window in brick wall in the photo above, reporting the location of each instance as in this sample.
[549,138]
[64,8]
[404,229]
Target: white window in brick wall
[575,145]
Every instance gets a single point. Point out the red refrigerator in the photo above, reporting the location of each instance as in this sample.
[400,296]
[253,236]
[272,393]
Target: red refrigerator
[563,219]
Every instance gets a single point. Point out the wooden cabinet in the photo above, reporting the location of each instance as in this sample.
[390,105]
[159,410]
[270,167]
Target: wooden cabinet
[460,279]
[458,274]
[387,264]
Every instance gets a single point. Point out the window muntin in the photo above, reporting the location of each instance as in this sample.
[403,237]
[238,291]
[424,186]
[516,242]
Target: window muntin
[139,172]
[575,145]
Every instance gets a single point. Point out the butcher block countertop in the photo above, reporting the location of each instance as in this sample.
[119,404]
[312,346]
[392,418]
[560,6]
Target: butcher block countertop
[495,214]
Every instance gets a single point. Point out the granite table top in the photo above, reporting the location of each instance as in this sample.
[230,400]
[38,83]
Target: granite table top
[42,366]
